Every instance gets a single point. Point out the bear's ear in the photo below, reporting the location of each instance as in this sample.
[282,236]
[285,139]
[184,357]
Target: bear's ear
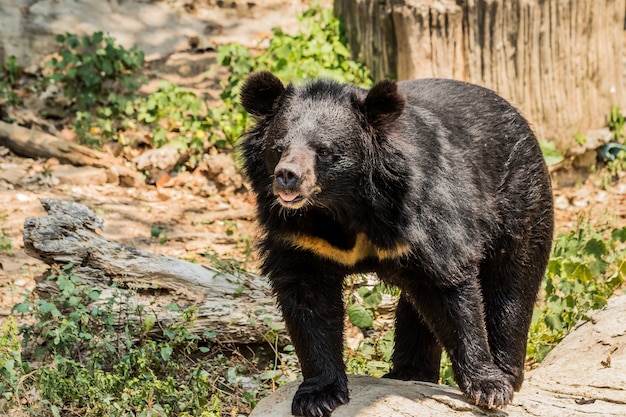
[260,93]
[384,104]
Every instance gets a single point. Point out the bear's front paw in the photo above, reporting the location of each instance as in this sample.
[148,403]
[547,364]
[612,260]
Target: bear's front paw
[318,398]
[494,390]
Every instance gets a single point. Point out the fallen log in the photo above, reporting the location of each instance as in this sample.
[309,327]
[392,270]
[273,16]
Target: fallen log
[237,306]
[36,144]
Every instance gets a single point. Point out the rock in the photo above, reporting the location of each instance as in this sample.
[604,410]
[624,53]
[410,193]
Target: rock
[85,175]
[585,375]
[220,168]
[590,361]
[374,397]
[12,173]
[164,159]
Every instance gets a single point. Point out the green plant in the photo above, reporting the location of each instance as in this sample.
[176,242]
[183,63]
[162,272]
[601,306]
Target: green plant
[373,355]
[62,322]
[177,117]
[6,245]
[613,169]
[10,361]
[586,267]
[102,356]
[9,75]
[229,265]
[92,68]
[362,310]
[100,78]
[616,124]
[160,234]
[550,154]
[319,51]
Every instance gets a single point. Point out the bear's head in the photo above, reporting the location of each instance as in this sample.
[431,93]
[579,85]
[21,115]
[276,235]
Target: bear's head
[313,143]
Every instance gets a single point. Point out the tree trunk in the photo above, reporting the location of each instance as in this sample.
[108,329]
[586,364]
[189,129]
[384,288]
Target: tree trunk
[237,305]
[559,61]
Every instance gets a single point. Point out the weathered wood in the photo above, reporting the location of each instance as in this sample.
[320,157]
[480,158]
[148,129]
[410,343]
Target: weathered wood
[238,306]
[559,61]
[583,376]
[35,144]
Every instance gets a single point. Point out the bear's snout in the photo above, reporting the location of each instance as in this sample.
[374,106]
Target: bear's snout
[295,179]
[287,175]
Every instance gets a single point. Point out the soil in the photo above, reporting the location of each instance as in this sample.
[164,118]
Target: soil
[198,214]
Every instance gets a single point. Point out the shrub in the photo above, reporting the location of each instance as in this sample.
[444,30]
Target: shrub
[92,67]
[100,356]
[586,267]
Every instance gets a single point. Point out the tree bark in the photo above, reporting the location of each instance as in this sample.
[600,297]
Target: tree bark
[559,61]
[237,305]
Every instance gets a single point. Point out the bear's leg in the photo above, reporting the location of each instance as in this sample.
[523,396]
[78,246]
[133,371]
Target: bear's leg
[313,310]
[456,315]
[510,284]
[416,354]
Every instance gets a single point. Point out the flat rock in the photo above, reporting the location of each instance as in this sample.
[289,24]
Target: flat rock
[591,361]
[85,175]
[585,375]
[12,173]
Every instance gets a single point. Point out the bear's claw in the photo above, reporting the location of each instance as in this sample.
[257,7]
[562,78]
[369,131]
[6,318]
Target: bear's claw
[493,392]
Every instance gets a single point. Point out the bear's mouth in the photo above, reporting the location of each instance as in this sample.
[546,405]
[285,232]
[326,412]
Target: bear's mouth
[291,200]
[294,198]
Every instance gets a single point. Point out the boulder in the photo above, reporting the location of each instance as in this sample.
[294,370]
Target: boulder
[585,375]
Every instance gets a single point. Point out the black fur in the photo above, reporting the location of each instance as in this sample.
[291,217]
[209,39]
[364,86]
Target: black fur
[439,187]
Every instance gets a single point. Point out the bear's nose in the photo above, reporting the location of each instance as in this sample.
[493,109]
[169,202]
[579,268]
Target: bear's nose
[287,175]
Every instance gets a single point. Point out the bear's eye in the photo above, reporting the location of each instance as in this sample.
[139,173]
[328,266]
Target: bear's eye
[277,149]
[323,151]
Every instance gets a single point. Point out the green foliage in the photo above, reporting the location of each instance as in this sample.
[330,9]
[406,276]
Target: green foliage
[160,234]
[227,265]
[101,78]
[586,267]
[10,361]
[373,355]
[9,74]
[446,375]
[6,244]
[361,314]
[177,117]
[550,154]
[616,164]
[102,356]
[614,168]
[616,124]
[91,67]
[319,51]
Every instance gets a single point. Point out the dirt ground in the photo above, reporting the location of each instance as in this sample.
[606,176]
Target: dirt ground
[195,214]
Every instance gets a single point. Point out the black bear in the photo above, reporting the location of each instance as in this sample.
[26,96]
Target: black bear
[437,186]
